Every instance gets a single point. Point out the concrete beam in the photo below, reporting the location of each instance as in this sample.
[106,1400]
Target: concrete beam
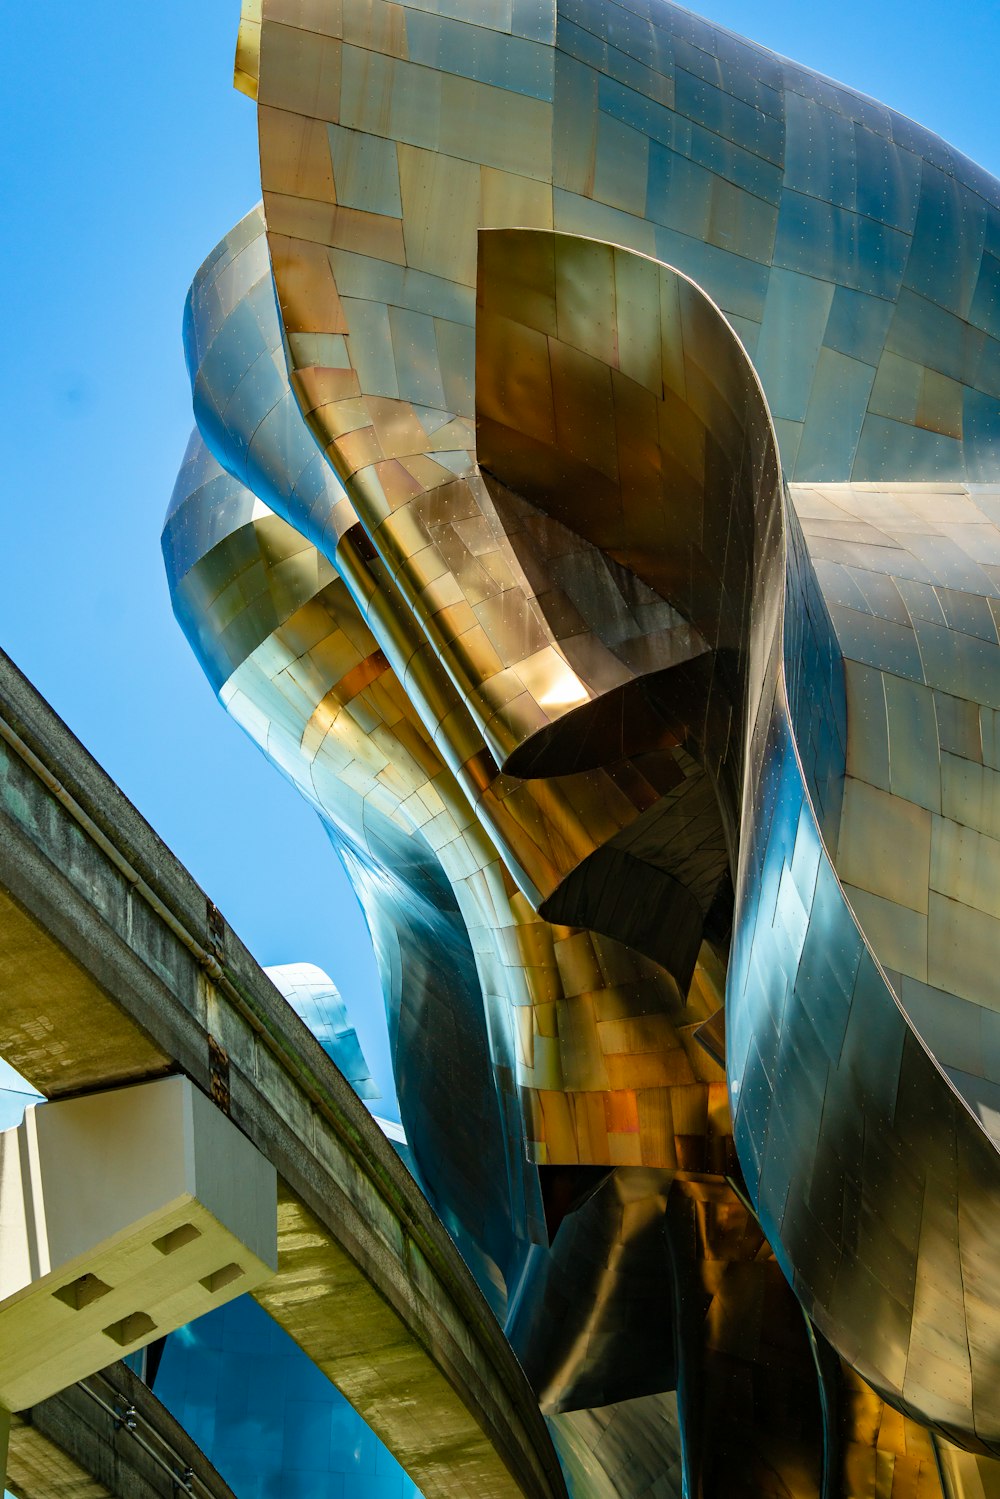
[107,1438]
[116,967]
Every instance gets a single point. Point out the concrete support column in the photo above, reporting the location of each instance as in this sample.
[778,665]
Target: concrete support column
[123,1214]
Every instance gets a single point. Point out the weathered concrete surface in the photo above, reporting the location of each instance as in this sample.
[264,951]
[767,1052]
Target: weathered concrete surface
[112,974]
[72,1446]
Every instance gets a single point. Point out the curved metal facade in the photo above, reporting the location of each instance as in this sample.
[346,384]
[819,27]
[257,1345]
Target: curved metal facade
[592,513]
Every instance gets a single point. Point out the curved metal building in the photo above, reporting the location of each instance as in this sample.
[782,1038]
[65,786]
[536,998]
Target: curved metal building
[594,511]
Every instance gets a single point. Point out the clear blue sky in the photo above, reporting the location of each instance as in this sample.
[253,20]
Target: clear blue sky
[126,156]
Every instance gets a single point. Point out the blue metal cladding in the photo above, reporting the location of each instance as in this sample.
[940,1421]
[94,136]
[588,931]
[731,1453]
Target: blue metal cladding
[871,1177]
[269,1421]
[315,999]
[856,254]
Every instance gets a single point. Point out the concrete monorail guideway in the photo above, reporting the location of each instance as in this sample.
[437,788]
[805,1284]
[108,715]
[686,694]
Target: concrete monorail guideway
[115,970]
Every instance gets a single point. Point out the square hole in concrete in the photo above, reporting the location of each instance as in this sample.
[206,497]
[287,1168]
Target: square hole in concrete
[131,1329]
[177,1238]
[81,1292]
[224,1277]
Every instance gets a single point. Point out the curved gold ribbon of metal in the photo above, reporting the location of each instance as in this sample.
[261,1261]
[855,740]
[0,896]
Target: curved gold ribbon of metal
[681,488]
[598,631]
[366,735]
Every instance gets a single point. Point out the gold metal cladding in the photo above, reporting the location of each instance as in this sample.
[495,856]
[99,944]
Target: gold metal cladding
[636,375]
[866,1127]
[320,696]
[551,830]
[885,1453]
[666,1102]
[908,572]
[674,141]
[751,1428]
[554,1125]
[607,1063]
[521,643]
[967,1475]
[565,534]
[246,69]
[521,654]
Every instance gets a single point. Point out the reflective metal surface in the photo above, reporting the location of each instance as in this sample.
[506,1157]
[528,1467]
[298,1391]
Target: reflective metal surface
[652,773]
[268,1417]
[638,1090]
[898,1141]
[800,206]
[633,1449]
[314,998]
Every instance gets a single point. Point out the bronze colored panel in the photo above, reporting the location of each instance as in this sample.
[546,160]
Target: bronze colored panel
[329,224]
[246,69]
[321,16]
[509,199]
[300,72]
[376,25]
[309,300]
[295,156]
[495,128]
[885,845]
[441,213]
